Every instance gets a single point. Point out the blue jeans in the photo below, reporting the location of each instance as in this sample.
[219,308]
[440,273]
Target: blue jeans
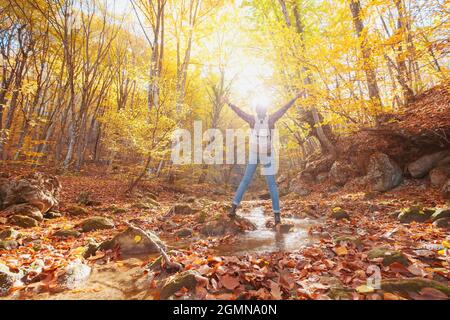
[271,182]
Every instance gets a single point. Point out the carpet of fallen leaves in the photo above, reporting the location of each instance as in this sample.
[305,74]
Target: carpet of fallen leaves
[323,269]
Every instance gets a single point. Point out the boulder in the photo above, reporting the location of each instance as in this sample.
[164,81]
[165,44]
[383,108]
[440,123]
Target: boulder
[75,210]
[76,273]
[297,186]
[322,176]
[440,213]
[421,167]
[24,209]
[96,223]
[9,234]
[22,221]
[134,241]
[338,213]
[443,223]
[439,175]
[37,189]
[221,226]
[321,165]
[185,232]
[8,244]
[340,172]
[187,279]
[67,233]
[415,213]
[389,256]
[383,174]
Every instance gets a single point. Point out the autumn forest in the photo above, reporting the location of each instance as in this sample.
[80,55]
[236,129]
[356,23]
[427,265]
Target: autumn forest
[94,203]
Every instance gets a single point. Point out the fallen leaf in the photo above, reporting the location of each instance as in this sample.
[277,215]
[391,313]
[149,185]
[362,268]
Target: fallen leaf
[341,251]
[391,296]
[365,289]
[229,282]
[275,290]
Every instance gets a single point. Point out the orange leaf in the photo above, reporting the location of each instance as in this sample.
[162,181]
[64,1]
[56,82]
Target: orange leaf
[341,251]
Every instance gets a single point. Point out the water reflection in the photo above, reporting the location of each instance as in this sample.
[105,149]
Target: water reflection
[265,239]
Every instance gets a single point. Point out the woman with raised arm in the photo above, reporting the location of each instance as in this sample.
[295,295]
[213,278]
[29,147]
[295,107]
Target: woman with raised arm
[261,152]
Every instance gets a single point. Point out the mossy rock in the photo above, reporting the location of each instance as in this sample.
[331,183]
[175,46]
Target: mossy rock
[69,233]
[23,221]
[75,210]
[340,293]
[52,215]
[9,234]
[415,213]
[96,223]
[115,209]
[186,279]
[134,241]
[8,244]
[389,256]
[349,239]
[440,213]
[91,249]
[413,285]
[338,213]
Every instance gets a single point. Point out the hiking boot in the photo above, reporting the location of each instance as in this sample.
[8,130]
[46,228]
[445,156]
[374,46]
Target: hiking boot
[232,212]
[277,218]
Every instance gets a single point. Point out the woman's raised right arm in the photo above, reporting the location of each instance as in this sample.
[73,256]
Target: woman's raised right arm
[243,115]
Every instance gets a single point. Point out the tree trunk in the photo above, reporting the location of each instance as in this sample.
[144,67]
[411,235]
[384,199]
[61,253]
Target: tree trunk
[369,70]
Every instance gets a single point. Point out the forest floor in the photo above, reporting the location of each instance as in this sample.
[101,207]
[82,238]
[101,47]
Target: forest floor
[319,257]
